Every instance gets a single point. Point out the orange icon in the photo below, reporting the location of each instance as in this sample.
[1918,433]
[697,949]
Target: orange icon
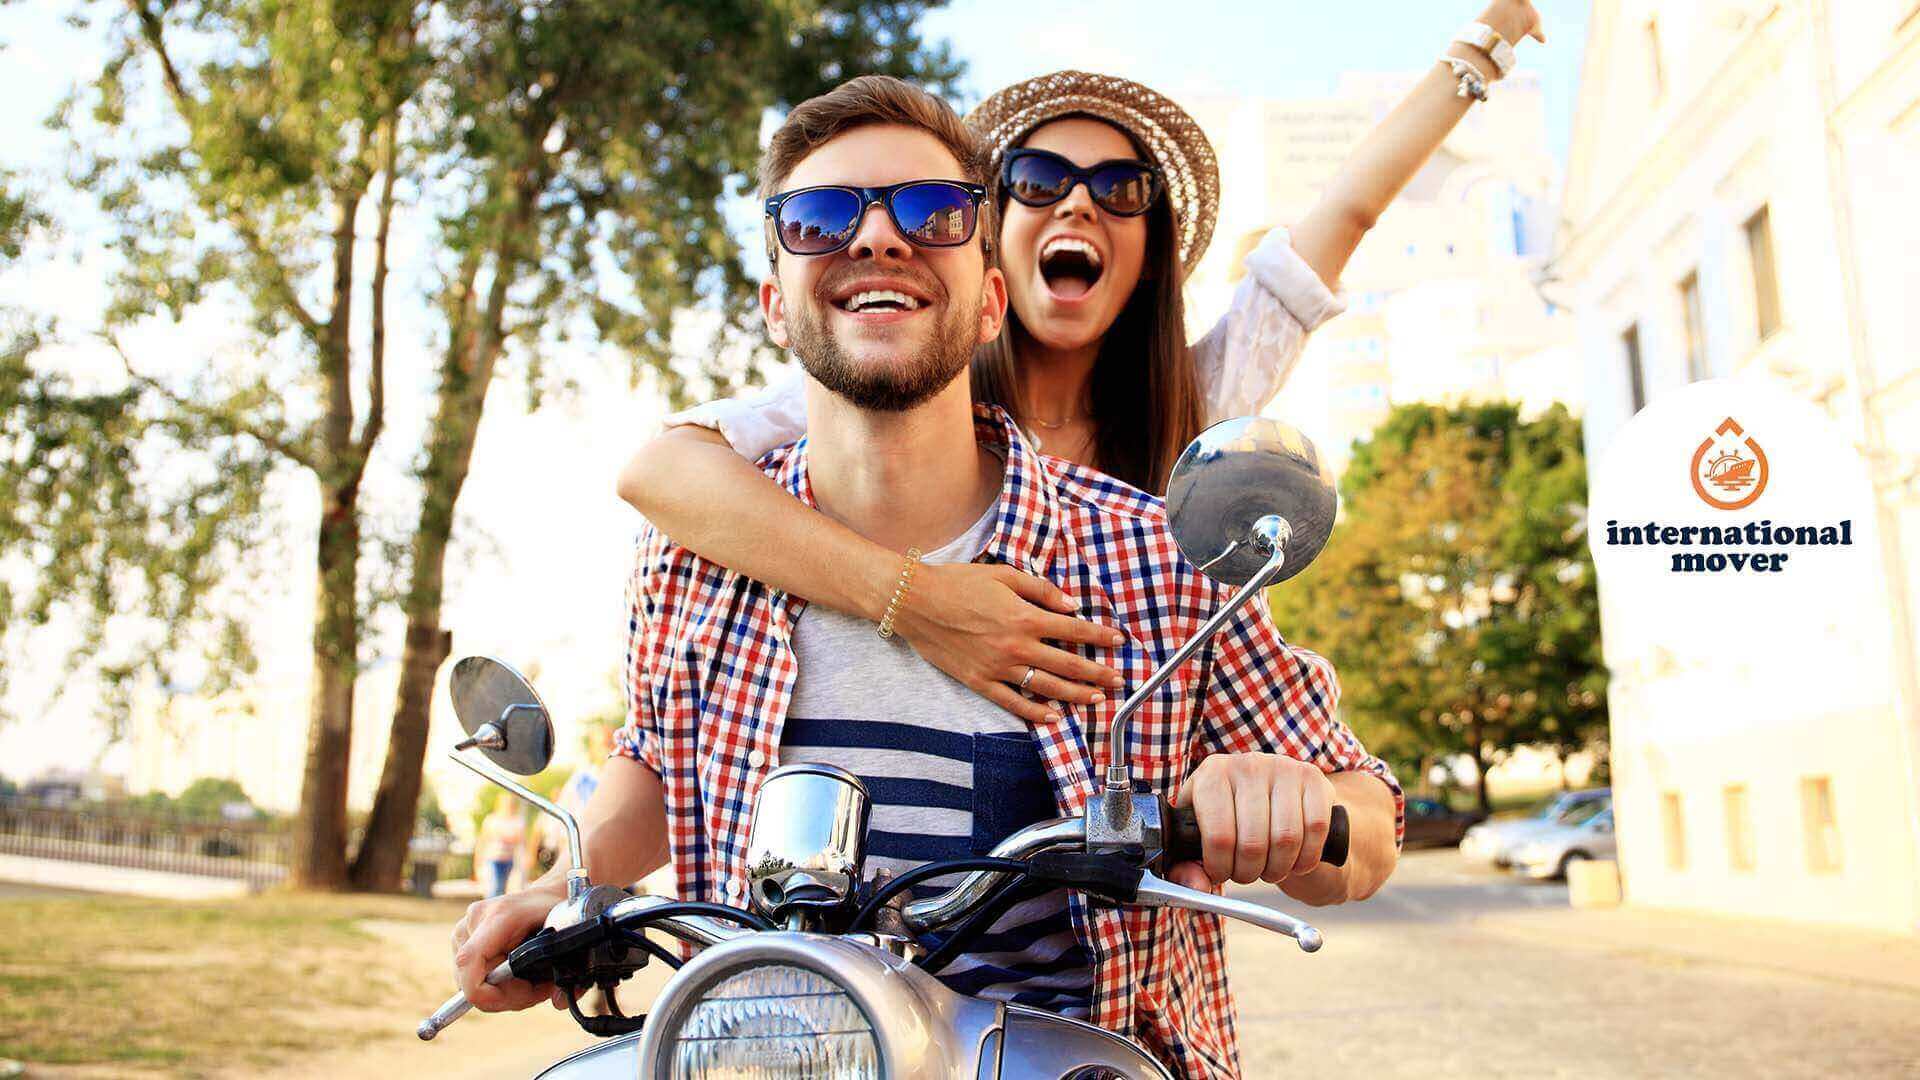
[1729,469]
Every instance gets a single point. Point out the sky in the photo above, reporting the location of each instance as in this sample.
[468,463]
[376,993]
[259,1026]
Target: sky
[540,579]
[1247,48]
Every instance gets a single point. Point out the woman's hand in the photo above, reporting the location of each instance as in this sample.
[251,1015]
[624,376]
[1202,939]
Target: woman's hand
[1514,20]
[986,624]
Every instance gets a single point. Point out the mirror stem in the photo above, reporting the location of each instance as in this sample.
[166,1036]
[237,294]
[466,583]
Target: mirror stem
[577,871]
[488,737]
[1270,532]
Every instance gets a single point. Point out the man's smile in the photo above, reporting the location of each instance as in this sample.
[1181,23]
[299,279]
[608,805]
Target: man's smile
[872,300]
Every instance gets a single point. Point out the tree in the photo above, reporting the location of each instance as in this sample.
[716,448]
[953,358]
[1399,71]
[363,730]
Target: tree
[576,157]
[207,798]
[239,146]
[598,144]
[1457,596]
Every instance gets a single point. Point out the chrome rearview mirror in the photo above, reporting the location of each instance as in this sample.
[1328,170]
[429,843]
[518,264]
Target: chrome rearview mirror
[506,721]
[503,717]
[1249,503]
[1245,490]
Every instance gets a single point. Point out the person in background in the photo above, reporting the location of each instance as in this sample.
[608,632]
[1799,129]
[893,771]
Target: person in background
[498,846]
[549,834]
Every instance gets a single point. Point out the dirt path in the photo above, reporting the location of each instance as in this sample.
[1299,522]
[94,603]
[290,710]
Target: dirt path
[481,1046]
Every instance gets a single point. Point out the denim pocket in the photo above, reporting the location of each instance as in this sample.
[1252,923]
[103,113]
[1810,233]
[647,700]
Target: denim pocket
[1011,789]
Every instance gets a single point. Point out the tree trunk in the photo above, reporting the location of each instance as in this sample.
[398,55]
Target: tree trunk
[1480,766]
[475,343]
[319,856]
[462,398]
[381,863]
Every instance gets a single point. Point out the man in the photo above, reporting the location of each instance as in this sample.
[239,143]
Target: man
[887,297]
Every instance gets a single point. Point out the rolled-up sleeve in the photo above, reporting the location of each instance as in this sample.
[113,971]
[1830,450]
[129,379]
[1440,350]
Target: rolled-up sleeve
[1245,359]
[639,737]
[1271,697]
[755,423]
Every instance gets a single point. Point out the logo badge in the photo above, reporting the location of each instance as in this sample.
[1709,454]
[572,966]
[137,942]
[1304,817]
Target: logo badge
[1729,469]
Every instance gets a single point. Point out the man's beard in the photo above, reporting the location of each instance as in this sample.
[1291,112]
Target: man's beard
[891,387]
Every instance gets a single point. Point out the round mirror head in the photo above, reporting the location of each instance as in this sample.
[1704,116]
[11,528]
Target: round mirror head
[486,691]
[1237,472]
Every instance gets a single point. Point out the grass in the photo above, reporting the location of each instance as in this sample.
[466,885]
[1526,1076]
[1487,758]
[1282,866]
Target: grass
[180,989]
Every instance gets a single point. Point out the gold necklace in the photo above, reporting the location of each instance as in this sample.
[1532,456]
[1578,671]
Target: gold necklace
[1056,425]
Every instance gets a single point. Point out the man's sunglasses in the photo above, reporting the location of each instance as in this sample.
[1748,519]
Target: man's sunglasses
[823,220]
[1123,187]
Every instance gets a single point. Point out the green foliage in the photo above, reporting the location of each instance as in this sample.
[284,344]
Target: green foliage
[429,815]
[593,148]
[204,800]
[18,216]
[1457,596]
[117,506]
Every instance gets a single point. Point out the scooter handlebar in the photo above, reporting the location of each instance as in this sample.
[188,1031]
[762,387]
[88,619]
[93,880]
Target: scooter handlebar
[1183,837]
[457,1006]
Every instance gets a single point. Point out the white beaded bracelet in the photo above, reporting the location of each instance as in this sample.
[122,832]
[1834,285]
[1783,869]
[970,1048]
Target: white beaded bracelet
[1472,83]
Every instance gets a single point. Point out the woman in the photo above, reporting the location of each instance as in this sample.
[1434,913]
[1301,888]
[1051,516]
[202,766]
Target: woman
[1106,194]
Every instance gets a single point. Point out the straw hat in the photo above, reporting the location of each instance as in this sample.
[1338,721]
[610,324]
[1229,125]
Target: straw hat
[1170,136]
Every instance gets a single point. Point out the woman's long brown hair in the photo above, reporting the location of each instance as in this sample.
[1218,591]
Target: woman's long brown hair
[1146,401]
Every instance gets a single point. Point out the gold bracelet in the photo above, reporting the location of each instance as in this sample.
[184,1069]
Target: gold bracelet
[900,592]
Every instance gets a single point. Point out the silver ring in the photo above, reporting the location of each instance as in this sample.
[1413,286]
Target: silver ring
[1027,678]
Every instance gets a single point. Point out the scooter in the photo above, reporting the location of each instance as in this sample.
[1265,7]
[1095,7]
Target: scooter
[825,974]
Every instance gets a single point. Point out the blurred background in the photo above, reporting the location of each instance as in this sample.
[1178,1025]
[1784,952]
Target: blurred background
[325,326]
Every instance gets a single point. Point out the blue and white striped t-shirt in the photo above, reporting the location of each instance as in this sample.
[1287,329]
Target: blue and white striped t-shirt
[951,774]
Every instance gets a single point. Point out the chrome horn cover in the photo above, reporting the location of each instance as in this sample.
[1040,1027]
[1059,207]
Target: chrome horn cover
[809,840]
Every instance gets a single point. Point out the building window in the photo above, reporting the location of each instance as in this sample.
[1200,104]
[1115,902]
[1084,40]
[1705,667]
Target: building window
[1739,828]
[1695,326]
[1656,72]
[1636,378]
[1766,286]
[1823,832]
[1676,830]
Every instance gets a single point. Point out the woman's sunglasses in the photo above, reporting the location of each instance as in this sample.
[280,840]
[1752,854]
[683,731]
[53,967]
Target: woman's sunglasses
[823,220]
[1123,188]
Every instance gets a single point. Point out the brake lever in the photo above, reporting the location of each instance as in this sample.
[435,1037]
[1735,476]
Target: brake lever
[1156,891]
[457,1005]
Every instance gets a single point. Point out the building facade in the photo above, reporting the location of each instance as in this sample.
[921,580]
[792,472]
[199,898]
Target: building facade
[1442,300]
[1736,207]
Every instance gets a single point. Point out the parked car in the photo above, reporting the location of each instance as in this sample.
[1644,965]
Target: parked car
[1548,854]
[1431,823]
[1492,841]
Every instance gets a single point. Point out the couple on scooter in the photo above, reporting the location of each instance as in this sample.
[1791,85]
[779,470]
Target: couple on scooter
[918,507]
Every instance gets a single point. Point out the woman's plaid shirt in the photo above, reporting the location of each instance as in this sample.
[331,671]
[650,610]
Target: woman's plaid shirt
[711,671]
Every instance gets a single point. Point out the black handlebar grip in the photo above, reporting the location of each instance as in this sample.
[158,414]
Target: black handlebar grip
[1335,849]
[1183,837]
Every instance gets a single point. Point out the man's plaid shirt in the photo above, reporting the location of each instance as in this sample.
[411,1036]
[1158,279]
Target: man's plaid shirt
[711,670]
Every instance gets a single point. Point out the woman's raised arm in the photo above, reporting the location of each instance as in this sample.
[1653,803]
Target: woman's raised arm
[982,624]
[1392,153]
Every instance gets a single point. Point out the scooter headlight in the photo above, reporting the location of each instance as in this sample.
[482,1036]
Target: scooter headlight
[774,1021]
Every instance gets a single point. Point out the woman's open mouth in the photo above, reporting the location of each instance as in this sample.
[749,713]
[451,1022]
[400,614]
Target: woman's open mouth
[1070,267]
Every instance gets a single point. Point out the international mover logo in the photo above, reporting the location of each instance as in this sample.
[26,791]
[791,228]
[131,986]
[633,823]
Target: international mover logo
[1729,468]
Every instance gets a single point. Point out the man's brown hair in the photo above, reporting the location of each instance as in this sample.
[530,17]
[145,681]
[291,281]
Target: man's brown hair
[866,99]
[856,103]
